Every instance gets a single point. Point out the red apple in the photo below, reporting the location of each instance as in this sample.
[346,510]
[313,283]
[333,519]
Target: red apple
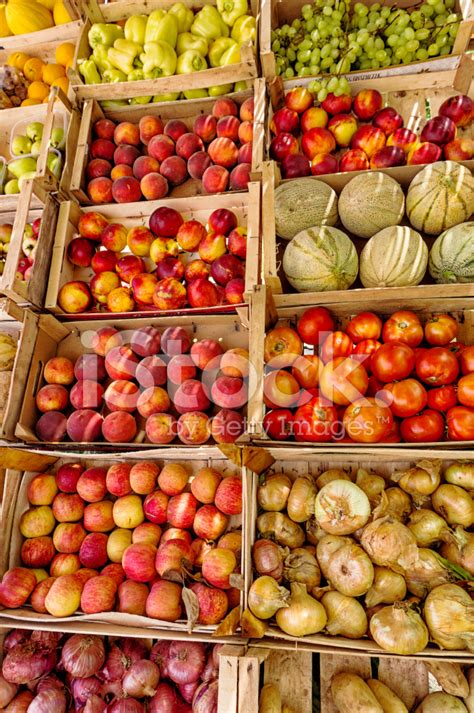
[440,130]
[282,145]
[285,121]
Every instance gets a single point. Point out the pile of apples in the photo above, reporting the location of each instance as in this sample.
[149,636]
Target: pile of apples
[128,539]
[146,160]
[145,384]
[355,134]
[28,248]
[25,149]
[157,272]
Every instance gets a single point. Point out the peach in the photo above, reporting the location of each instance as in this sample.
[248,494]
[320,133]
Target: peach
[175,128]
[235,363]
[145,341]
[324,163]
[190,234]
[205,126]
[458,108]
[215,179]
[104,129]
[68,507]
[174,170]
[245,153]
[317,140]
[299,99]
[37,522]
[225,106]
[368,138]
[461,149]
[237,243]
[228,127]
[188,144]
[91,225]
[120,300]
[161,428]
[151,371]
[126,190]
[245,133]
[16,586]
[117,543]
[102,148]
[122,395]
[84,426]
[314,118]
[193,428]
[206,353]
[223,152]
[59,370]
[51,427]
[190,396]
[100,190]
[68,536]
[37,551]
[67,477]
[42,489]
[227,426]
[125,155]
[247,109]
[162,248]
[98,517]
[148,533]
[91,367]
[121,170]
[75,297]
[234,291]
[226,268]
[86,394]
[37,601]
[128,512]
[127,133]
[153,400]
[229,392]
[98,595]
[139,240]
[104,339]
[212,246]
[103,284]
[64,564]
[148,127]
[139,562]
[115,572]
[132,598]
[180,368]
[143,477]
[198,163]
[425,152]
[143,287]
[91,485]
[144,165]
[388,119]
[205,484]
[169,294]
[354,160]
[367,103]
[121,363]
[170,267]
[93,550]
[285,121]
[203,293]
[388,156]
[196,269]
[175,340]
[240,177]
[343,128]
[64,597]
[98,167]
[114,237]
[161,147]
[295,165]
[119,427]
[104,261]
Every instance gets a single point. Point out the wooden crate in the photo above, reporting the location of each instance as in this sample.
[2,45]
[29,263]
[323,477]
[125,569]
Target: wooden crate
[245,205]
[245,70]
[276,12]
[266,310]
[186,111]
[43,43]
[28,463]
[295,462]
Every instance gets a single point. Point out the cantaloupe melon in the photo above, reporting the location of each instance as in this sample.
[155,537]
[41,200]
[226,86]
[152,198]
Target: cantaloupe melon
[320,259]
[452,255]
[302,203]
[440,196]
[370,202]
[394,257]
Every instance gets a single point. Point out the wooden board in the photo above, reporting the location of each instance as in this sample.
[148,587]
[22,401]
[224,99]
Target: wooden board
[43,40]
[293,675]
[330,665]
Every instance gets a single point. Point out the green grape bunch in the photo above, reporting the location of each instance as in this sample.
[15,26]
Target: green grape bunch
[329,38]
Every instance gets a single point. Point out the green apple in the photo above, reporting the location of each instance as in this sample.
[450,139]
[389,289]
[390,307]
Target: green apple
[21,145]
[54,163]
[58,139]
[26,177]
[34,131]
[11,187]
[28,231]
[35,148]
[20,166]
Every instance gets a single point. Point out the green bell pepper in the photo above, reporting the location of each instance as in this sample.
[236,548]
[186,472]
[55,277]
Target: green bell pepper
[141,100]
[104,33]
[219,49]
[170,97]
[187,41]
[159,60]
[209,24]
[189,62]
[136,75]
[220,90]
[195,93]
[89,71]
[112,76]
[135,28]
[230,56]
[162,27]
[124,55]
[231,10]
[100,57]
[184,16]
[244,29]
[240,86]
[131,48]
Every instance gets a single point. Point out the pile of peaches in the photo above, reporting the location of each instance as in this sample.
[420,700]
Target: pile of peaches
[128,538]
[355,134]
[157,272]
[145,384]
[129,161]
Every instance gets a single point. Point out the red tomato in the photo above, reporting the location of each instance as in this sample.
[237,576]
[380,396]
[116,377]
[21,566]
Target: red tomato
[405,327]
[466,390]
[441,329]
[280,389]
[405,398]
[335,345]
[456,348]
[365,325]
[364,351]
[394,435]
[375,385]
[282,347]
[315,421]
[368,420]
[427,427]
[307,370]
[313,325]
[466,360]
[343,380]
[393,362]
[442,398]
[278,424]
[437,366]
[460,421]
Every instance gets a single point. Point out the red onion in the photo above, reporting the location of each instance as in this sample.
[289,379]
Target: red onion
[160,655]
[48,638]
[83,655]
[211,668]
[27,662]
[83,688]
[95,705]
[205,698]
[126,705]
[20,703]
[7,692]
[134,649]
[165,700]
[112,689]
[141,679]
[115,666]
[47,701]
[186,661]
[183,707]
[17,636]
[49,682]
[268,559]
[188,690]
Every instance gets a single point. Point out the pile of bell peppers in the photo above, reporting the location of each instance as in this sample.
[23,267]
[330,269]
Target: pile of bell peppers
[177,41]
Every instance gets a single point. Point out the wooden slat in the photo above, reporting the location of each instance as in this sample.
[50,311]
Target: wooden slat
[293,674]
[249,677]
[408,679]
[329,665]
[228,678]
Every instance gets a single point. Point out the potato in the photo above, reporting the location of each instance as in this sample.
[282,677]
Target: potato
[389,701]
[352,695]
[270,699]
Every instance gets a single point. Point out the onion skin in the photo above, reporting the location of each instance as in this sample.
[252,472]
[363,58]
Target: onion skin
[449,615]
[303,616]
[428,527]
[428,573]
[20,703]
[461,474]
[388,587]
[327,546]
[286,532]
[14,637]
[395,503]
[273,494]
[125,705]
[386,697]
[8,692]
[205,698]
[352,695]
[341,508]
[460,550]
[390,544]
[160,655]
[116,664]
[346,616]
[440,702]
[47,701]
[268,559]
[28,662]
[350,571]
[83,655]
[329,475]
[266,597]
[399,630]
[372,484]
[454,504]
[186,661]
[165,699]
[95,705]
[83,688]
[141,679]
[301,566]
[421,481]
[300,505]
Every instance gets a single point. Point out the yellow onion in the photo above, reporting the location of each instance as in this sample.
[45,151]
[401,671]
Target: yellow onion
[373,485]
[300,505]
[461,474]
[389,701]
[426,574]
[350,571]
[286,532]
[303,616]
[329,475]
[346,616]
[450,677]
[460,549]
[420,481]
[399,630]
[449,614]
[268,558]
[341,507]
[394,502]
[266,597]
[270,699]
[469,699]
[313,531]
[440,702]
[390,544]
[454,504]
[327,546]
[301,566]
[352,695]
[272,494]
[428,527]
[388,587]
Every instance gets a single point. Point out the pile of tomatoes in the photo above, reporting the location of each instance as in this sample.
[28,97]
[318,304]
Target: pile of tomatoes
[374,382]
